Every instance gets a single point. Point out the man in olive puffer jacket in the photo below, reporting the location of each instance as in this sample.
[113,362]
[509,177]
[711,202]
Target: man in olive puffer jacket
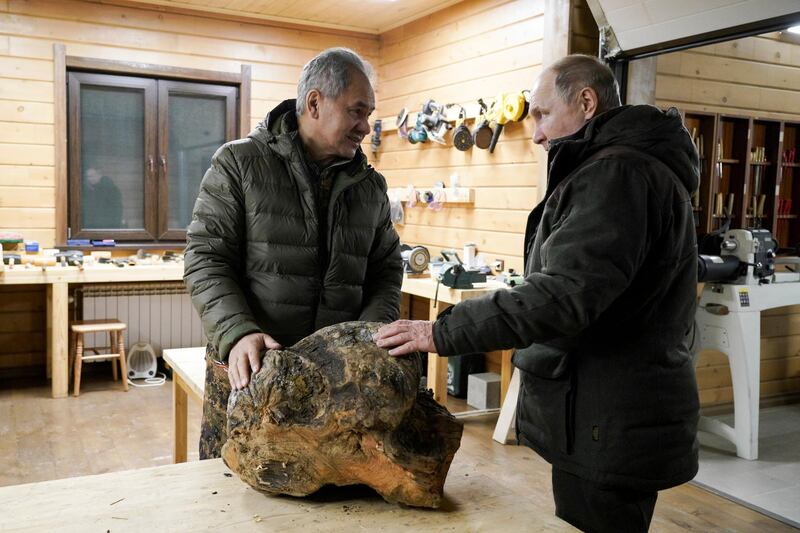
[291,231]
[602,323]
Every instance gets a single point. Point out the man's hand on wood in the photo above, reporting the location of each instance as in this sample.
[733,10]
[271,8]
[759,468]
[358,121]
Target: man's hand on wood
[406,336]
[246,355]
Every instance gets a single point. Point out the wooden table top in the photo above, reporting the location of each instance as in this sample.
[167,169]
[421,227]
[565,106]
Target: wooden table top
[200,496]
[190,365]
[20,275]
[426,288]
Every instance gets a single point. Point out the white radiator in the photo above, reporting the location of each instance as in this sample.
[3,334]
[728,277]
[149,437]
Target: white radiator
[160,314]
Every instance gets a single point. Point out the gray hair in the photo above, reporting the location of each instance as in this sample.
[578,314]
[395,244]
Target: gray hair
[578,71]
[329,73]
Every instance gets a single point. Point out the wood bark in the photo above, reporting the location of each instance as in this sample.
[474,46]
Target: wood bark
[336,409]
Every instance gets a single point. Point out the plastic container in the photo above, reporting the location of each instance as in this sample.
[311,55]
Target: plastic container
[459,368]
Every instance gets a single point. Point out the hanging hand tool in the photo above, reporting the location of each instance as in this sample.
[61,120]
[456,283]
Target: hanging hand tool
[431,124]
[462,138]
[434,121]
[402,119]
[419,134]
[376,137]
[482,133]
[498,119]
[508,107]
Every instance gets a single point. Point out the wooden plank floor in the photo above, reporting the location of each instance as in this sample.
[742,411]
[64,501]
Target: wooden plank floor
[107,430]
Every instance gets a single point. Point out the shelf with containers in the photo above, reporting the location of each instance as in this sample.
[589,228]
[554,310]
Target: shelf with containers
[762,174]
[787,224]
[702,128]
[750,169]
[729,175]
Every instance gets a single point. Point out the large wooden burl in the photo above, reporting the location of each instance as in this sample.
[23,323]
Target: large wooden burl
[336,409]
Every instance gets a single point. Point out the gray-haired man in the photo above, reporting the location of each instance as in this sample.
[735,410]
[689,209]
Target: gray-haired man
[291,231]
[600,325]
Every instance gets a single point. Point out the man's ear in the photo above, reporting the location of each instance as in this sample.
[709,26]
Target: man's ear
[313,101]
[587,99]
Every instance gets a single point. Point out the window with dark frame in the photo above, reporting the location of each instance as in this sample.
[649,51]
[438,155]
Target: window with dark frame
[138,148]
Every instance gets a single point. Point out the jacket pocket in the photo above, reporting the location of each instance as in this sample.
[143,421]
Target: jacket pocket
[546,410]
[542,361]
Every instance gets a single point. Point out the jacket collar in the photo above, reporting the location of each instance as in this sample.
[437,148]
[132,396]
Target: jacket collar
[280,133]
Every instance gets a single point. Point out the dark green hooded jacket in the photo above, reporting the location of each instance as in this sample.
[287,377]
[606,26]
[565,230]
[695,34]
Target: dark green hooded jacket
[255,259]
[603,320]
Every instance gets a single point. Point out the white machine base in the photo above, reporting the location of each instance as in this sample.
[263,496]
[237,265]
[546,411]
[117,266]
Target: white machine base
[738,335]
[506,419]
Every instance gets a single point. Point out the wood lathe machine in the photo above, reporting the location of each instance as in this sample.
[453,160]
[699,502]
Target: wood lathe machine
[740,283]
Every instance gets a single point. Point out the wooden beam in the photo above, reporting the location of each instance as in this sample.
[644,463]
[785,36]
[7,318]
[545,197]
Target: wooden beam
[557,36]
[57,337]
[147,69]
[244,100]
[60,140]
[505,373]
[437,366]
[642,81]
[179,419]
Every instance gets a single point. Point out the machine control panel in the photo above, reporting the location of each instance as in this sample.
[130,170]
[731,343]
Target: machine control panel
[744,298]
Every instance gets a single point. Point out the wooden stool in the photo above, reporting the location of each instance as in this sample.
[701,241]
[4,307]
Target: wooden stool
[116,347]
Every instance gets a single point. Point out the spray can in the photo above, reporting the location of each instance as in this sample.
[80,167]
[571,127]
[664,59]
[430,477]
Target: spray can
[469,255]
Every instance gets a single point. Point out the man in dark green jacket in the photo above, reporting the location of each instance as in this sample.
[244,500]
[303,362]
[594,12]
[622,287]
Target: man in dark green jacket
[291,230]
[602,322]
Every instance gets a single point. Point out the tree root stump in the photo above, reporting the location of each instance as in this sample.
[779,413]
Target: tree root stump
[336,409]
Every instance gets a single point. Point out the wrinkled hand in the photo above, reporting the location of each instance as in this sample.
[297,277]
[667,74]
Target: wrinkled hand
[406,336]
[246,354]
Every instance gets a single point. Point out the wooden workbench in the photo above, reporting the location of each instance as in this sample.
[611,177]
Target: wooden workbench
[198,496]
[188,381]
[57,280]
[425,287]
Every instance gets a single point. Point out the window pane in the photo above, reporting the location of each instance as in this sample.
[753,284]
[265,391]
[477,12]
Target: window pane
[196,130]
[112,157]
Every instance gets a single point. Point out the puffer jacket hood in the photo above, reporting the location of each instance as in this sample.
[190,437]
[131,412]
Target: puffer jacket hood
[279,132]
[660,134]
[274,130]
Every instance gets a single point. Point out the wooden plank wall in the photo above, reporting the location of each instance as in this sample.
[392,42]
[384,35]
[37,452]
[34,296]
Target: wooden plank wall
[473,49]
[28,30]
[756,76]
[751,76]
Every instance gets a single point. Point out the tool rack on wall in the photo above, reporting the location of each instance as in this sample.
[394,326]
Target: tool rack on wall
[748,169]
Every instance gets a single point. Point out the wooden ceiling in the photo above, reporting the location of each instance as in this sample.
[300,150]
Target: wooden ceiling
[363,16]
